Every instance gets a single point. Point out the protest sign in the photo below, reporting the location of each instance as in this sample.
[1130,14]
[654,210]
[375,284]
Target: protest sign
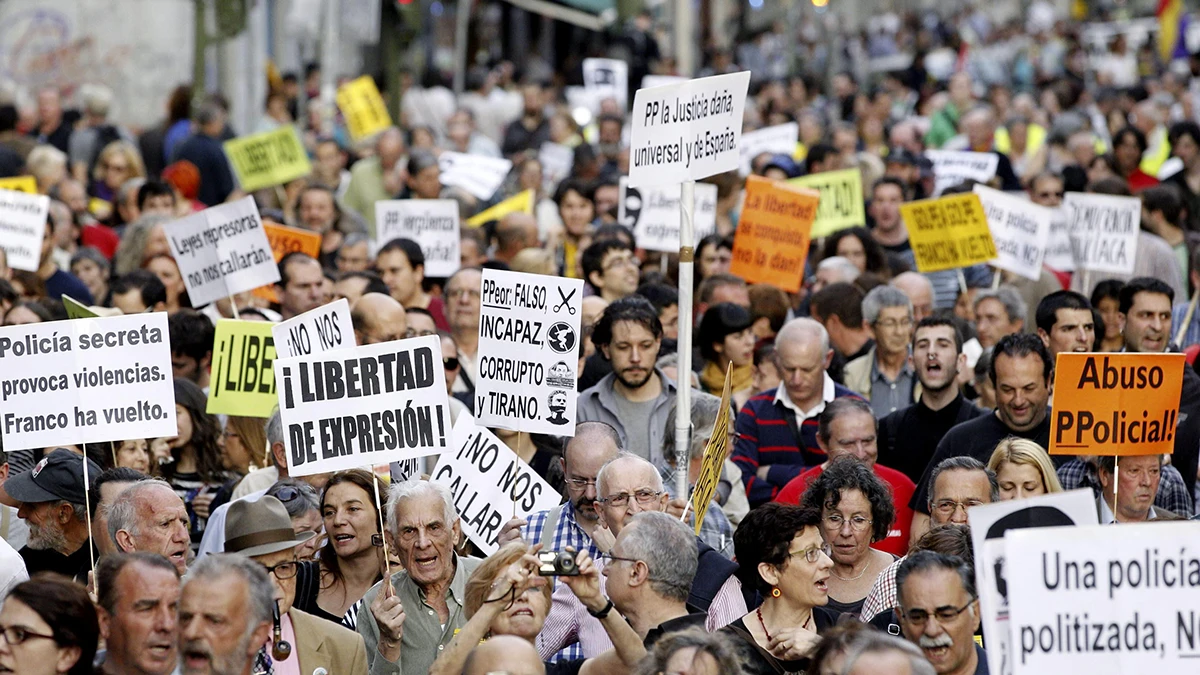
[608,78]
[316,331]
[491,484]
[949,232]
[557,160]
[284,240]
[652,81]
[528,352]
[1104,601]
[431,223]
[76,309]
[479,175]
[1116,404]
[363,108]
[26,184]
[777,140]
[1104,231]
[221,251]
[952,167]
[267,159]
[687,131]
[772,237]
[362,406]
[22,227]
[1059,254]
[522,201]
[243,382]
[1019,228]
[841,200]
[715,453]
[989,522]
[86,381]
[653,214]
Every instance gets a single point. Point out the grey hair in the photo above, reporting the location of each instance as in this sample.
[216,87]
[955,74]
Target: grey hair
[123,513]
[881,298]
[356,238]
[1014,305]
[874,642]
[924,561]
[208,112]
[89,253]
[411,489]
[97,99]
[802,330]
[668,361]
[705,408]
[307,498]
[275,428]
[668,548]
[962,464]
[848,270]
[624,455]
[717,645]
[262,591]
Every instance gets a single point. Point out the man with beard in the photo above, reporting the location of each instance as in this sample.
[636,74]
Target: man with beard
[149,516]
[139,613]
[939,612]
[909,436]
[52,503]
[224,616]
[635,399]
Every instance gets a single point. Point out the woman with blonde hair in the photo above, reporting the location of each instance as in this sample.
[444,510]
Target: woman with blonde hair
[48,165]
[117,162]
[534,261]
[1023,469]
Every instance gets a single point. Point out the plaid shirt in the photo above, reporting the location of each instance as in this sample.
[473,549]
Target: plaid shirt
[883,594]
[1172,492]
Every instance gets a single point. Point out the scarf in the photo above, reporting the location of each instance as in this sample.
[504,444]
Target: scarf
[712,378]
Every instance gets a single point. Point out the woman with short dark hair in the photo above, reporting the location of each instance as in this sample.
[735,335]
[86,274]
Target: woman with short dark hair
[726,341]
[49,627]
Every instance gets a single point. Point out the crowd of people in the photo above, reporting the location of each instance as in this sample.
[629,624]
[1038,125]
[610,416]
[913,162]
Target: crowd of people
[872,409]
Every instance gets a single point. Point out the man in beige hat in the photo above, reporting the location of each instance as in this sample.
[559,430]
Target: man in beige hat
[262,531]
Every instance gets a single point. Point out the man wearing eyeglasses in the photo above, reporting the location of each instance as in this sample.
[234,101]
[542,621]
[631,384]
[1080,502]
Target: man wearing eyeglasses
[611,268]
[884,375]
[939,612]
[262,531]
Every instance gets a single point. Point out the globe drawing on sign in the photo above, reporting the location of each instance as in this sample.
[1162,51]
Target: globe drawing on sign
[561,338]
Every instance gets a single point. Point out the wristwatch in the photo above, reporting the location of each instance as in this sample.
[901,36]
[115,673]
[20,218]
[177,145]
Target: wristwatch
[603,612]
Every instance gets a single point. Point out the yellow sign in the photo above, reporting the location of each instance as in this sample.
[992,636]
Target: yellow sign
[522,202]
[714,457]
[841,200]
[948,233]
[268,159]
[1116,404]
[76,309]
[243,376]
[363,107]
[20,184]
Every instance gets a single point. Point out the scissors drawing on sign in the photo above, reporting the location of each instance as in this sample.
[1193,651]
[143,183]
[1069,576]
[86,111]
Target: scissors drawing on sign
[566,301]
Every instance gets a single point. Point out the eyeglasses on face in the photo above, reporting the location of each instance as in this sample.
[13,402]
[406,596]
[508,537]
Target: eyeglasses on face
[580,483]
[812,554]
[284,570]
[450,362]
[947,507]
[919,617]
[15,635]
[834,522]
[607,559]
[643,497]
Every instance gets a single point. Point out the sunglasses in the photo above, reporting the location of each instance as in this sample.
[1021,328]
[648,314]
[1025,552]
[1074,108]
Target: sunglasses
[450,363]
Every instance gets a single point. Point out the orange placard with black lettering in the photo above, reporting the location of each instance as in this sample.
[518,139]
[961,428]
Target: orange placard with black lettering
[285,240]
[1116,404]
[774,232]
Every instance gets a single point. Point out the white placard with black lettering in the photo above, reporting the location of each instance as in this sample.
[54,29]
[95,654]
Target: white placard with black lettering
[528,352]
[432,223]
[86,381]
[1105,600]
[951,167]
[653,213]
[1059,254]
[490,483]
[777,140]
[1020,229]
[479,175]
[1104,231]
[557,160]
[989,523]
[22,226]
[316,331]
[687,131]
[221,251]
[609,78]
[368,405]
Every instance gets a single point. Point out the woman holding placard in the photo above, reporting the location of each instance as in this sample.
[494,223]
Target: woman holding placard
[195,469]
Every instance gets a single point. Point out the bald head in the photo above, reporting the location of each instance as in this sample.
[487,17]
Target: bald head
[389,146]
[378,318]
[919,291]
[504,654]
[803,331]
[597,439]
[593,308]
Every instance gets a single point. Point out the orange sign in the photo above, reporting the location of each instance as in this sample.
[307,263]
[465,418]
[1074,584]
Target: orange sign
[773,233]
[285,240]
[1116,403]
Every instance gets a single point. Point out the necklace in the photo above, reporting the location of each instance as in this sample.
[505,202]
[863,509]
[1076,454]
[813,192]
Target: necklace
[758,612]
[860,574]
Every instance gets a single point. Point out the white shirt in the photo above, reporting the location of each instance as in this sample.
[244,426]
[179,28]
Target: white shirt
[1107,517]
[213,540]
[12,569]
[827,394]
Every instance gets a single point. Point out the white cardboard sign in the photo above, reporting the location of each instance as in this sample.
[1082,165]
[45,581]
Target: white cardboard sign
[687,131]
[221,251]
[988,526]
[86,381]
[316,331]
[528,352]
[360,406]
[490,483]
[479,175]
[654,212]
[1059,254]
[22,226]
[432,223]
[1020,229]
[1104,231]
[777,140]
[1105,599]
[608,78]
[557,160]
[951,167]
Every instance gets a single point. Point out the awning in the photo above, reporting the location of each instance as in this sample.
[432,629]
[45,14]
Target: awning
[596,15]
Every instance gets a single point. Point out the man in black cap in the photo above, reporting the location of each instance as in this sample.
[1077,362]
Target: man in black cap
[52,503]
[262,531]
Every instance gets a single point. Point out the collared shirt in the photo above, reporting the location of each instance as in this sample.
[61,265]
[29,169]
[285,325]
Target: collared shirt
[883,594]
[1172,491]
[561,628]
[1108,518]
[425,636]
[827,394]
[888,396]
[1192,335]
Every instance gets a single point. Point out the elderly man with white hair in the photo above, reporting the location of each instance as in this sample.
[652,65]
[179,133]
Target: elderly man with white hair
[834,269]
[416,612]
[149,516]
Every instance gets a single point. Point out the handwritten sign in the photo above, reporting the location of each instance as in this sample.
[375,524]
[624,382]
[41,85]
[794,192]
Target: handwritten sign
[1104,231]
[221,251]
[771,243]
[363,107]
[479,175]
[951,167]
[432,223]
[242,381]
[948,233]
[319,330]
[653,213]
[22,227]
[777,140]
[1020,229]
[1059,253]
[841,200]
[268,159]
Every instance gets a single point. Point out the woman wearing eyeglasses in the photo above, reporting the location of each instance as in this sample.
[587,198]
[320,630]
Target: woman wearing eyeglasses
[782,555]
[856,511]
[48,626]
